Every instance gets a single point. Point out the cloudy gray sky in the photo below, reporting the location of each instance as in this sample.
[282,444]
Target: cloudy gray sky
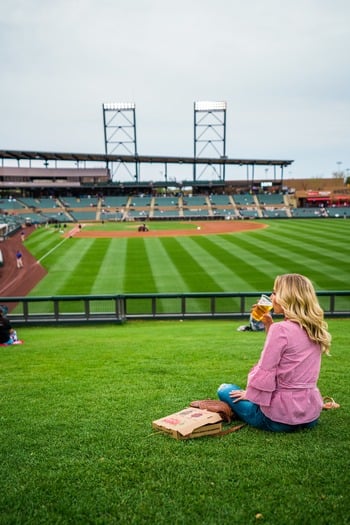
[282,67]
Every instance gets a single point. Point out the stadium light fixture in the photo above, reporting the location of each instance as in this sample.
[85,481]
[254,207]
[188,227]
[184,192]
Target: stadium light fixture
[207,105]
[118,105]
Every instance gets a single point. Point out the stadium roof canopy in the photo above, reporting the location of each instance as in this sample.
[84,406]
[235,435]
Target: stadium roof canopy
[147,159]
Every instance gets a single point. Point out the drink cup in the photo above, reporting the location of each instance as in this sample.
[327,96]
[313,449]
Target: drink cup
[263,306]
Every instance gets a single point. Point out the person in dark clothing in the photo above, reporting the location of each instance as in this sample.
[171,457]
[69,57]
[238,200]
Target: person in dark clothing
[7,333]
[143,228]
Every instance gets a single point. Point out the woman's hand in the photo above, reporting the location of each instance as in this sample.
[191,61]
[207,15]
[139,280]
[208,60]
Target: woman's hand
[267,320]
[237,395]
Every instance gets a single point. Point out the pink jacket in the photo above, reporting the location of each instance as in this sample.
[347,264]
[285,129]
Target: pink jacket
[284,381]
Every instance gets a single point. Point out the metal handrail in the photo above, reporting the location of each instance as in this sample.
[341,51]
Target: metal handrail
[122,307]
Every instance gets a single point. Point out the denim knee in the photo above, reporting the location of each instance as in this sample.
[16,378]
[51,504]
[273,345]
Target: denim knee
[224,391]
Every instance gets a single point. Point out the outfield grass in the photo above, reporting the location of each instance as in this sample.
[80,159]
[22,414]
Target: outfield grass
[240,262]
[77,445]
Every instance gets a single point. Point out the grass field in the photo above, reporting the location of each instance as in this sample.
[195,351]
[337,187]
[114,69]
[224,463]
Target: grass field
[77,404]
[77,445]
[240,262]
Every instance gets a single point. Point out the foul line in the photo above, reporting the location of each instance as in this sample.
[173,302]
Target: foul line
[52,250]
[71,233]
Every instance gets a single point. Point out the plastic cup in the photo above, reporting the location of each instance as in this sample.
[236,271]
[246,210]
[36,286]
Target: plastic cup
[263,306]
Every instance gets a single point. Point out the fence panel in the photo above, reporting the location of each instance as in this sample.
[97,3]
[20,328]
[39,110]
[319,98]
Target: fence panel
[120,308]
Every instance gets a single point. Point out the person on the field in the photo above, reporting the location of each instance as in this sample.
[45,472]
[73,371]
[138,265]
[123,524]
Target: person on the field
[143,228]
[282,393]
[19,259]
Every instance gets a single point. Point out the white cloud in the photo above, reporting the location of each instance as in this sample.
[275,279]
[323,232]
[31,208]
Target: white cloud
[283,68]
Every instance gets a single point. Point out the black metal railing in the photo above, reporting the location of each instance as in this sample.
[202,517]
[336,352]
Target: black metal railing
[123,307]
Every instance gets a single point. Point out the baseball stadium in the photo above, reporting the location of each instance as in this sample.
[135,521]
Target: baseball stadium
[137,272]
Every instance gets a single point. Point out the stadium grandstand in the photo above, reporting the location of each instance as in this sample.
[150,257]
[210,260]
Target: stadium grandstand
[39,187]
[89,195]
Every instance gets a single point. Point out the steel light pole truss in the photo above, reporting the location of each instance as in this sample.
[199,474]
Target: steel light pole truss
[210,135]
[119,122]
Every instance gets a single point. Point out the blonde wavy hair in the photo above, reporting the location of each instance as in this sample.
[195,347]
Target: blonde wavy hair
[296,295]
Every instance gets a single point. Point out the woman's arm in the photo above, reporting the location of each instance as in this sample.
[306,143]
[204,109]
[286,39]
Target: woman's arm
[262,378]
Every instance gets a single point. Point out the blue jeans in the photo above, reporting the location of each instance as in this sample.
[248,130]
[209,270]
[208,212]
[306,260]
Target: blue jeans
[252,414]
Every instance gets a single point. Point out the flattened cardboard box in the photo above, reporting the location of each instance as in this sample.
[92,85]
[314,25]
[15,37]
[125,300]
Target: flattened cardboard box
[189,423]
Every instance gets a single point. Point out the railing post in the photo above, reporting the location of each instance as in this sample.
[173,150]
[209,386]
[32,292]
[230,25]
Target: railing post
[25,310]
[242,304]
[120,308]
[87,308]
[56,309]
[183,305]
[213,305]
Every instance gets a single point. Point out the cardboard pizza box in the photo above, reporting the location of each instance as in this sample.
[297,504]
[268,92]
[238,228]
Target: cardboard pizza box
[189,423]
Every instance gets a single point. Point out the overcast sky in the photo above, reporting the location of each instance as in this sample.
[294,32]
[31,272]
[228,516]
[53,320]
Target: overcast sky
[282,66]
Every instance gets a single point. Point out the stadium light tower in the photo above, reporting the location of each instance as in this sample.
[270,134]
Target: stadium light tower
[210,132]
[119,122]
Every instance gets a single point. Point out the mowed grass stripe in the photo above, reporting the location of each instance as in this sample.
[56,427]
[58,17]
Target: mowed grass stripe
[41,242]
[194,275]
[82,278]
[197,279]
[328,224]
[337,230]
[245,269]
[313,251]
[168,278]
[311,227]
[318,240]
[310,248]
[221,270]
[249,249]
[138,275]
[231,270]
[289,260]
[64,265]
[110,276]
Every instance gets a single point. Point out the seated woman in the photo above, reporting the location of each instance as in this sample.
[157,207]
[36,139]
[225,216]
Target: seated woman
[282,393]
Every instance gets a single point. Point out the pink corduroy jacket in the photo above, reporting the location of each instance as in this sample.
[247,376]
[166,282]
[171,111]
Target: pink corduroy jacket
[284,381]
